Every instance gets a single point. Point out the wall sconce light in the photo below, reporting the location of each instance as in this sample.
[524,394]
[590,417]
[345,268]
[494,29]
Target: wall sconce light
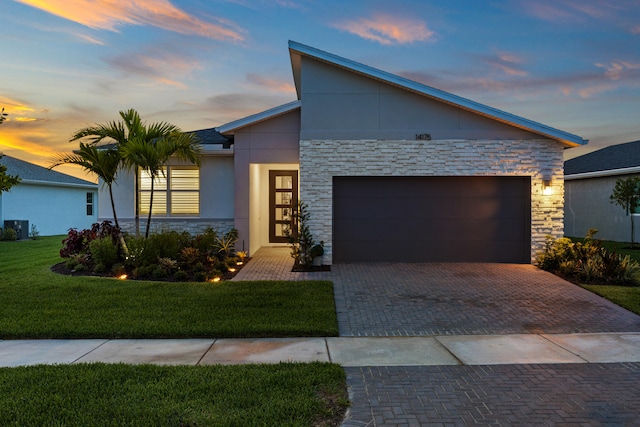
[547,189]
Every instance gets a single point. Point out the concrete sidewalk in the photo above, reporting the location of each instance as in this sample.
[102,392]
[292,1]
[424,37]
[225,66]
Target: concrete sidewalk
[346,351]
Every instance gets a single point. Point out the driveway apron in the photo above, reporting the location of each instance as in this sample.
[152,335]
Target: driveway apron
[467,299]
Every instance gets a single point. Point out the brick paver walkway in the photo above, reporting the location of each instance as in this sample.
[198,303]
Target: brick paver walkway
[275,263]
[502,395]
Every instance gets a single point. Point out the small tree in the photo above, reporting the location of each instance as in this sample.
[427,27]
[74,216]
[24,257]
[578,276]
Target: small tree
[626,194]
[3,116]
[7,181]
[300,238]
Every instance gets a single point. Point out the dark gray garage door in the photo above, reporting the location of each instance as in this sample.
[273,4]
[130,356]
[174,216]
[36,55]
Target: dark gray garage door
[432,219]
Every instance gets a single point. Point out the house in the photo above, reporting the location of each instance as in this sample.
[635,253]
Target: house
[51,201]
[390,169]
[589,182]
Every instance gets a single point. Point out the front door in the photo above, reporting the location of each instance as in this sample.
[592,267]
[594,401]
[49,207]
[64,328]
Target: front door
[283,200]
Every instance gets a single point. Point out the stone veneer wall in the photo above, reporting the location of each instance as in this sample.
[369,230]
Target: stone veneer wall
[320,160]
[193,226]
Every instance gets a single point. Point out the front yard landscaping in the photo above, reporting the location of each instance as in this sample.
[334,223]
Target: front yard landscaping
[37,303]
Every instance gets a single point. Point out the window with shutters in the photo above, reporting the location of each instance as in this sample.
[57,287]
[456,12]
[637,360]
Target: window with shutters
[176,192]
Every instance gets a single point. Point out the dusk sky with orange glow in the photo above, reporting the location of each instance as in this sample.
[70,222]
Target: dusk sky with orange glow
[67,64]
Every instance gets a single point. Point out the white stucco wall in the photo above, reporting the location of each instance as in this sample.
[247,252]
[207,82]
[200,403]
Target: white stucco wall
[216,199]
[53,209]
[320,160]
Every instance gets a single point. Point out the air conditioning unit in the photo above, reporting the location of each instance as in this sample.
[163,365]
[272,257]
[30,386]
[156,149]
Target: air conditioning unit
[21,228]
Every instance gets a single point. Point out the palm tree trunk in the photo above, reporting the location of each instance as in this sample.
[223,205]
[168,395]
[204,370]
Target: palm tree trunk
[123,244]
[113,206]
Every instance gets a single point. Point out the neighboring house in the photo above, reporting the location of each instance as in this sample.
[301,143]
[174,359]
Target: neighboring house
[51,201]
[391,170]
[589,183]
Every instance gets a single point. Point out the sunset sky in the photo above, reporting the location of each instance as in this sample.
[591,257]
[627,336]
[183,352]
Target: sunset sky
[67,64]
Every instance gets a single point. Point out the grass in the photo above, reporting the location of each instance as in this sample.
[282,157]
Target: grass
[37,303]
[288,394]
[624,296]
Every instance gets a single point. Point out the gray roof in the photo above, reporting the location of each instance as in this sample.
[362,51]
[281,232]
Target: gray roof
[30,172]
[614,157]
[212,136]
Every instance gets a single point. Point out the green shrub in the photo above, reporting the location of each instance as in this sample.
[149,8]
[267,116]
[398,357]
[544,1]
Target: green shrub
[200,276]
[180,275]
[9,234]
[34,234]
[226,244]
[159,273]
[71,263]
[588,262]
[206,242]
[104,254]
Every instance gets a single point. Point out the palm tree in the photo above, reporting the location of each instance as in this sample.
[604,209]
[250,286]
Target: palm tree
[102,161]
[150,147]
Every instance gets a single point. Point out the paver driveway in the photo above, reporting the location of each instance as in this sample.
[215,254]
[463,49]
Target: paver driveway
[467,299]
[471,299]
[450,299]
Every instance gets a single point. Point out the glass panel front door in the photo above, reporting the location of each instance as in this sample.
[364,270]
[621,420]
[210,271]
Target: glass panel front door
[283,200]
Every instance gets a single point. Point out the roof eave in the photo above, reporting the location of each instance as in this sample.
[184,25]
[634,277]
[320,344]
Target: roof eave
[231,127]
[604,173]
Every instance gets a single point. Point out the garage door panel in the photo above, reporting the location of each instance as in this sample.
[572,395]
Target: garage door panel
[395,208]
[372,229]
[439,219]
[419,251]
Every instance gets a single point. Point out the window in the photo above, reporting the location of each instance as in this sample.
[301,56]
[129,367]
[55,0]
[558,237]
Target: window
[176,191]
[89,204]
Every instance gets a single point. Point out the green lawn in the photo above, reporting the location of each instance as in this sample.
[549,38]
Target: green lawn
[287,394]
[624,296]
[37,303]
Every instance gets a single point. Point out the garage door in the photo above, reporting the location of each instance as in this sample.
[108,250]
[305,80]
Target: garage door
[432,219]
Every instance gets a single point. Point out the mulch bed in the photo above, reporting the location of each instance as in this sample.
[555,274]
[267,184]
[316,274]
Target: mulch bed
[299,269]
[60,268]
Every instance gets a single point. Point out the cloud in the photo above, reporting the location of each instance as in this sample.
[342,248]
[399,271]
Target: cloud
[271,84]
[158,64]
[232,106]
[589,83]
[508,63]
[617,70]
[573,10]
[635,30]
[110,14]
[388,30]
[89,39]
